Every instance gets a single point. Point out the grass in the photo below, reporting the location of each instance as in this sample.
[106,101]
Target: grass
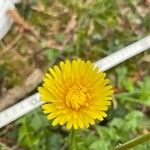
[89,30]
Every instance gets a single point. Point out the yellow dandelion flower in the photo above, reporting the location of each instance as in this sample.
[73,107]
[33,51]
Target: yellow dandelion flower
[76,94]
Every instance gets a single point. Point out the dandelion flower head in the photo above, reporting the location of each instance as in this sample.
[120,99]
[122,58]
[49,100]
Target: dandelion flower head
[76,94]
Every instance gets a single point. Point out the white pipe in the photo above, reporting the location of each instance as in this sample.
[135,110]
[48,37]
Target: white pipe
[5,20]
[25,106]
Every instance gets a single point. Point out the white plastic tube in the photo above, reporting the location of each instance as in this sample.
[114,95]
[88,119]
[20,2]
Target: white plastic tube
[14,112]
[5,20]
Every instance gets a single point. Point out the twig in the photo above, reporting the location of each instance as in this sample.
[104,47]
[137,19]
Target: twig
[10,46]
[4,147]
[18,92]
[19,20]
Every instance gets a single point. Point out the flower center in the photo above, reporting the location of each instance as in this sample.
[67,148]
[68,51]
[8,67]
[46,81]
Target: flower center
[76,97]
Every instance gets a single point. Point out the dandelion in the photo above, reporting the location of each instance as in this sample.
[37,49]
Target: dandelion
[76,94]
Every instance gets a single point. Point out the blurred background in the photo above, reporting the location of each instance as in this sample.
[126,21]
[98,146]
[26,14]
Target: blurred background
[46,32]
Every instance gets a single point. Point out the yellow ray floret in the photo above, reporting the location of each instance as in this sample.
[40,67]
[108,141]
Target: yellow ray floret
[76,94]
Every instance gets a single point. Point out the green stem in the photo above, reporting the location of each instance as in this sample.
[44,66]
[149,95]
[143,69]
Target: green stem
[134,142]
[72,140]
[134,100]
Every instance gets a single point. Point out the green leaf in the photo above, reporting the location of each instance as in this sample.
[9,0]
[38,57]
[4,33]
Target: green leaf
[59,37]
[117,122]
[121,74]
[133,120]
[129,86]
[51,54]
[100,144]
